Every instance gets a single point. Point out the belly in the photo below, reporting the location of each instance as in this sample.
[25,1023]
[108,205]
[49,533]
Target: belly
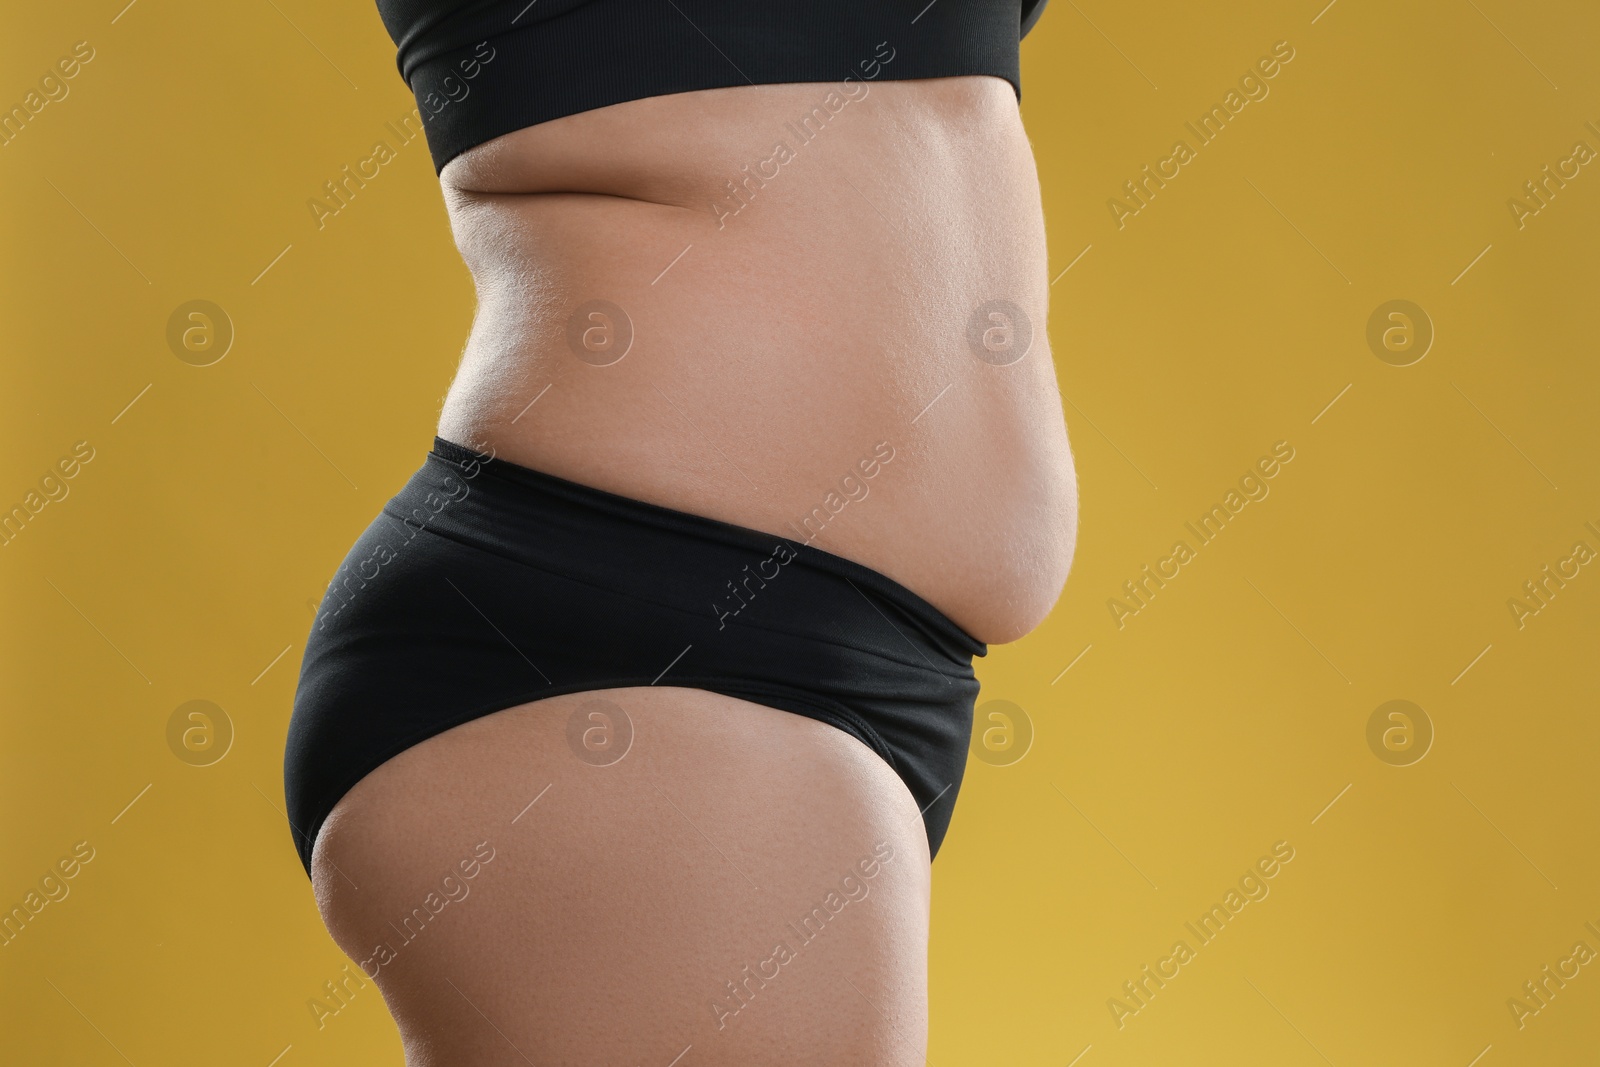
[788,309]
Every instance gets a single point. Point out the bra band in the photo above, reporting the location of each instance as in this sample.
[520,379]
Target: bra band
[483,69]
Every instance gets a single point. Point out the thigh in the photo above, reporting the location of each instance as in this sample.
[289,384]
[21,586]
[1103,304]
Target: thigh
[636,876]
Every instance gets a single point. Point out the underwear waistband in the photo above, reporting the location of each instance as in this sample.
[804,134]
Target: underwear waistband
[548,522]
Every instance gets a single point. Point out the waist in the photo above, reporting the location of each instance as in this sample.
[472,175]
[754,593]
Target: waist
[802,336]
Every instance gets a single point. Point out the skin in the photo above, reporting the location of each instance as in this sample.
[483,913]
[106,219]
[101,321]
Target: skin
[616,908]
[830,313]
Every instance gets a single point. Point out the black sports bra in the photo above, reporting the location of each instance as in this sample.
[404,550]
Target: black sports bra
[482,68]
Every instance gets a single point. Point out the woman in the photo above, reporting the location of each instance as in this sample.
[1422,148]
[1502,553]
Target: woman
[628,731]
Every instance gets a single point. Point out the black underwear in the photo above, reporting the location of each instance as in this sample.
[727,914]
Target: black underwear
[484,585]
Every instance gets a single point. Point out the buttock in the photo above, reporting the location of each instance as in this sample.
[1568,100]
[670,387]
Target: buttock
[483,585]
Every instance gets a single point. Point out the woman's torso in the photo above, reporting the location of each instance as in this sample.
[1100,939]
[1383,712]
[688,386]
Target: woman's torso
[784,342]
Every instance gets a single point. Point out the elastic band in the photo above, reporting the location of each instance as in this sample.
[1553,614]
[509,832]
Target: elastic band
[706,527]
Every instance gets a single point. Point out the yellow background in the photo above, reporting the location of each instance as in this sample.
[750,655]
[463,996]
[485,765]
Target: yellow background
[1224,717]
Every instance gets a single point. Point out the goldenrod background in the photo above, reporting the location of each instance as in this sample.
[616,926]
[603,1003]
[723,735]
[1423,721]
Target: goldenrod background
[1229,714]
